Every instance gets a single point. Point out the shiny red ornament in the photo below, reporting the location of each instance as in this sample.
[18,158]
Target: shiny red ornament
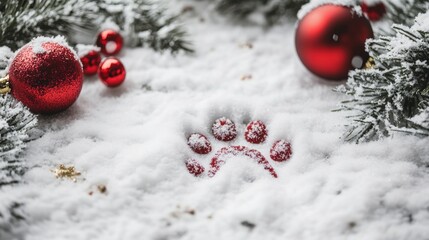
[110,42]
[373,11]
[330,41]
[112,72]
[46,77]
[91,62]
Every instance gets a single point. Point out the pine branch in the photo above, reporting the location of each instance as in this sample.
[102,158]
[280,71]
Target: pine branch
[404,11]
[393,95]
[15,123]
[22,20]
[143,22]
[272,10]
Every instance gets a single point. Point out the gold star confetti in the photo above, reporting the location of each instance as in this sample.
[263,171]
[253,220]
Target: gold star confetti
[246,77]
[247,45]
[101,188]
[4,85]
[66,172]
[370,63]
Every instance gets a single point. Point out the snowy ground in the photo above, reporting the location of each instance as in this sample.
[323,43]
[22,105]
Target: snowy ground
[133,140]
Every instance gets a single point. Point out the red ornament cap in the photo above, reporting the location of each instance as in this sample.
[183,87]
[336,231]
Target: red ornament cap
[110,42]
[46,75]
[112,72]
[330,41]
[373,11]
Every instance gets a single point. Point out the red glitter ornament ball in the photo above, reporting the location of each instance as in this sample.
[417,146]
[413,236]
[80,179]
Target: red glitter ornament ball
[46,75]
[373,11]
[112,72]
[330,41]
[110,42]
[281,151]
[224,129]
[90,62]
[256,132]
[199,143]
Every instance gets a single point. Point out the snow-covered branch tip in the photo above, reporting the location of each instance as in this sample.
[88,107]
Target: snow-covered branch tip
[393,95]
[142,22]
[271,10]
[15,123]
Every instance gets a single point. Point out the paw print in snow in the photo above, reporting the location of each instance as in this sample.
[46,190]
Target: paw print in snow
[224,130]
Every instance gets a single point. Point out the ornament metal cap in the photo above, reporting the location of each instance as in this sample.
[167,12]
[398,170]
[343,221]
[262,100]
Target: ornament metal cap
[4,85]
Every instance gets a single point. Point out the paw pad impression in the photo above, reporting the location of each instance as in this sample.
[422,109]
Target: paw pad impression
[223,129]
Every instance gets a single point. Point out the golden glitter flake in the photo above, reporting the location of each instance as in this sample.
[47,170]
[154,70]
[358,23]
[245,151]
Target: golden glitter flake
[370,63]
[247,45]
[246,77]
[4,85]
[66,172]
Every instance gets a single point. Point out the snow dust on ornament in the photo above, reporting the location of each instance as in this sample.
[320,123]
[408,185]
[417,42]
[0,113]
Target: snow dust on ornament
[112,72]
[46,75]
[330,41]
[110,42]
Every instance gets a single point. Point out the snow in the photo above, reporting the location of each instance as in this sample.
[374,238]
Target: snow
[133,140]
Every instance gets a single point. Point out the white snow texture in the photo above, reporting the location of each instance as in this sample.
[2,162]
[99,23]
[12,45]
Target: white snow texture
[133,140]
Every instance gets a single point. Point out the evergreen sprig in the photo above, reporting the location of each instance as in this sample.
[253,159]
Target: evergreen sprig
[392,96]
[404,11]
[272,10]
[145,23]
[15,123]
[142,22]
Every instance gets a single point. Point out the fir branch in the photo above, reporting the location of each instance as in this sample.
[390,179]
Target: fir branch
[404,11]
[143,22]
[392,96]
[22,20]
[272,10]
[15,123]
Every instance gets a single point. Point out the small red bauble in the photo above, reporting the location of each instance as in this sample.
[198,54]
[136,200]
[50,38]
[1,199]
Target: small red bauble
[112,72]
[330,41]
[281,151]
[224,129]
[256,132]
[194,167]
[110,42]
[373,11]
[90,62]
[46,75]
[199,143]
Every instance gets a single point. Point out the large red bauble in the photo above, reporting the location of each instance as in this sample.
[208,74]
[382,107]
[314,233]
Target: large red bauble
[330,41]
[373,11]
[46,76]
[90,62]
[112,72]
[110,42]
